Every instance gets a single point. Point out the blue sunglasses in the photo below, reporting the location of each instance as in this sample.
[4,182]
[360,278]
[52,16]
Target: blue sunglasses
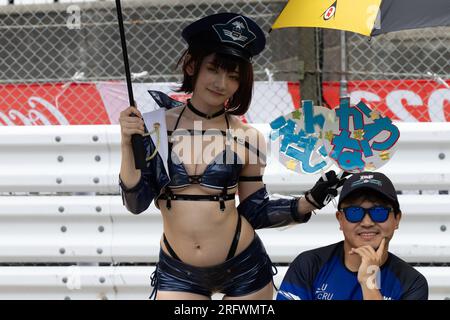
[356,214]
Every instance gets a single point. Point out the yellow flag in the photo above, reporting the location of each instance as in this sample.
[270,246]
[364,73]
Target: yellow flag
[352,15]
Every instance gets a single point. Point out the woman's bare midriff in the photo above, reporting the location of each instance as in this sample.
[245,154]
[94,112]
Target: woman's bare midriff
[199,232]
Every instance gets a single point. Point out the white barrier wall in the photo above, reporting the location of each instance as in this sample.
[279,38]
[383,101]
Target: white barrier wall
[93,229]
[87,159]
[60,204]
[124,283]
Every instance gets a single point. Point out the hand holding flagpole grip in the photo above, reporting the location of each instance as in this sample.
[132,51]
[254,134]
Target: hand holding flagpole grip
[136,140]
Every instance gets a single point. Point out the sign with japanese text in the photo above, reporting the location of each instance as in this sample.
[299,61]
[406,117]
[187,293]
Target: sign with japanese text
[299,137]
[359,139]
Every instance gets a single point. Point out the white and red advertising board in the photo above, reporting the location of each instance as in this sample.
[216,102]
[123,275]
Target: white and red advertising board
[101,103]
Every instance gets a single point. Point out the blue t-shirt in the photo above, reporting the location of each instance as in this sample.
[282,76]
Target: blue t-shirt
[320,274]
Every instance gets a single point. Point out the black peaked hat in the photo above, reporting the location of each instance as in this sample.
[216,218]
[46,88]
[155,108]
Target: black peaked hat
[227,33]
[375,181]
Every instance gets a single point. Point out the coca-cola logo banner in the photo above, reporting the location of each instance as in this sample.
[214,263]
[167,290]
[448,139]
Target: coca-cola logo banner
[101,103]
[401,100]
[51,104]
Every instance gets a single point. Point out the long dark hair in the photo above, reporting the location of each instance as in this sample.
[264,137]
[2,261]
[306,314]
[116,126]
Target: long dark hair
[239,103]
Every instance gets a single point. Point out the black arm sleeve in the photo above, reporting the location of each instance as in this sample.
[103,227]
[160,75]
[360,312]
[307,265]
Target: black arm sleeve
[138,198]
[262,212]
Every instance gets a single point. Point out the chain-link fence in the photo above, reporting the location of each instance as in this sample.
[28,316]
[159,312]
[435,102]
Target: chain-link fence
[53,57]
[57,52]
[404,74]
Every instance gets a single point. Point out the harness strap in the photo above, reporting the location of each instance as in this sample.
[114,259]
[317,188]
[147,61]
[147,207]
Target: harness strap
[169,248]
[179,118]
[231,252]
[223,195]
[167,196]
[251,148]
[198,197]
[237,235]
[250,178]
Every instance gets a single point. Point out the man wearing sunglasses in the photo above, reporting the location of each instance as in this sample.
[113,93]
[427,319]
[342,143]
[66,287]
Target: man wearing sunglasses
[360,267]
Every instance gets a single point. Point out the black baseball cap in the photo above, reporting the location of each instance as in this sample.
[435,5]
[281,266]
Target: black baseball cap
[227,33]
[375,181]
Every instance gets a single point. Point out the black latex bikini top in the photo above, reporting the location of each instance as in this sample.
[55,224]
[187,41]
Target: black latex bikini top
[222,173]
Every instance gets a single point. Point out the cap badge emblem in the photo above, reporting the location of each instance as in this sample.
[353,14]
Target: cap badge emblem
[235,31]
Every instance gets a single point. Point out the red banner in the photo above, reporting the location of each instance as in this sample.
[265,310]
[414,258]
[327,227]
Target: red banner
[51,104]
[404,100]
[101,103]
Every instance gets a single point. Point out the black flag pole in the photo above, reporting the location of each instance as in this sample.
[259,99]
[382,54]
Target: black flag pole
[136,139]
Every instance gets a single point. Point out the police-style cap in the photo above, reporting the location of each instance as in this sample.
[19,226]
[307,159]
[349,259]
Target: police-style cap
[375,181]
[227,33]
